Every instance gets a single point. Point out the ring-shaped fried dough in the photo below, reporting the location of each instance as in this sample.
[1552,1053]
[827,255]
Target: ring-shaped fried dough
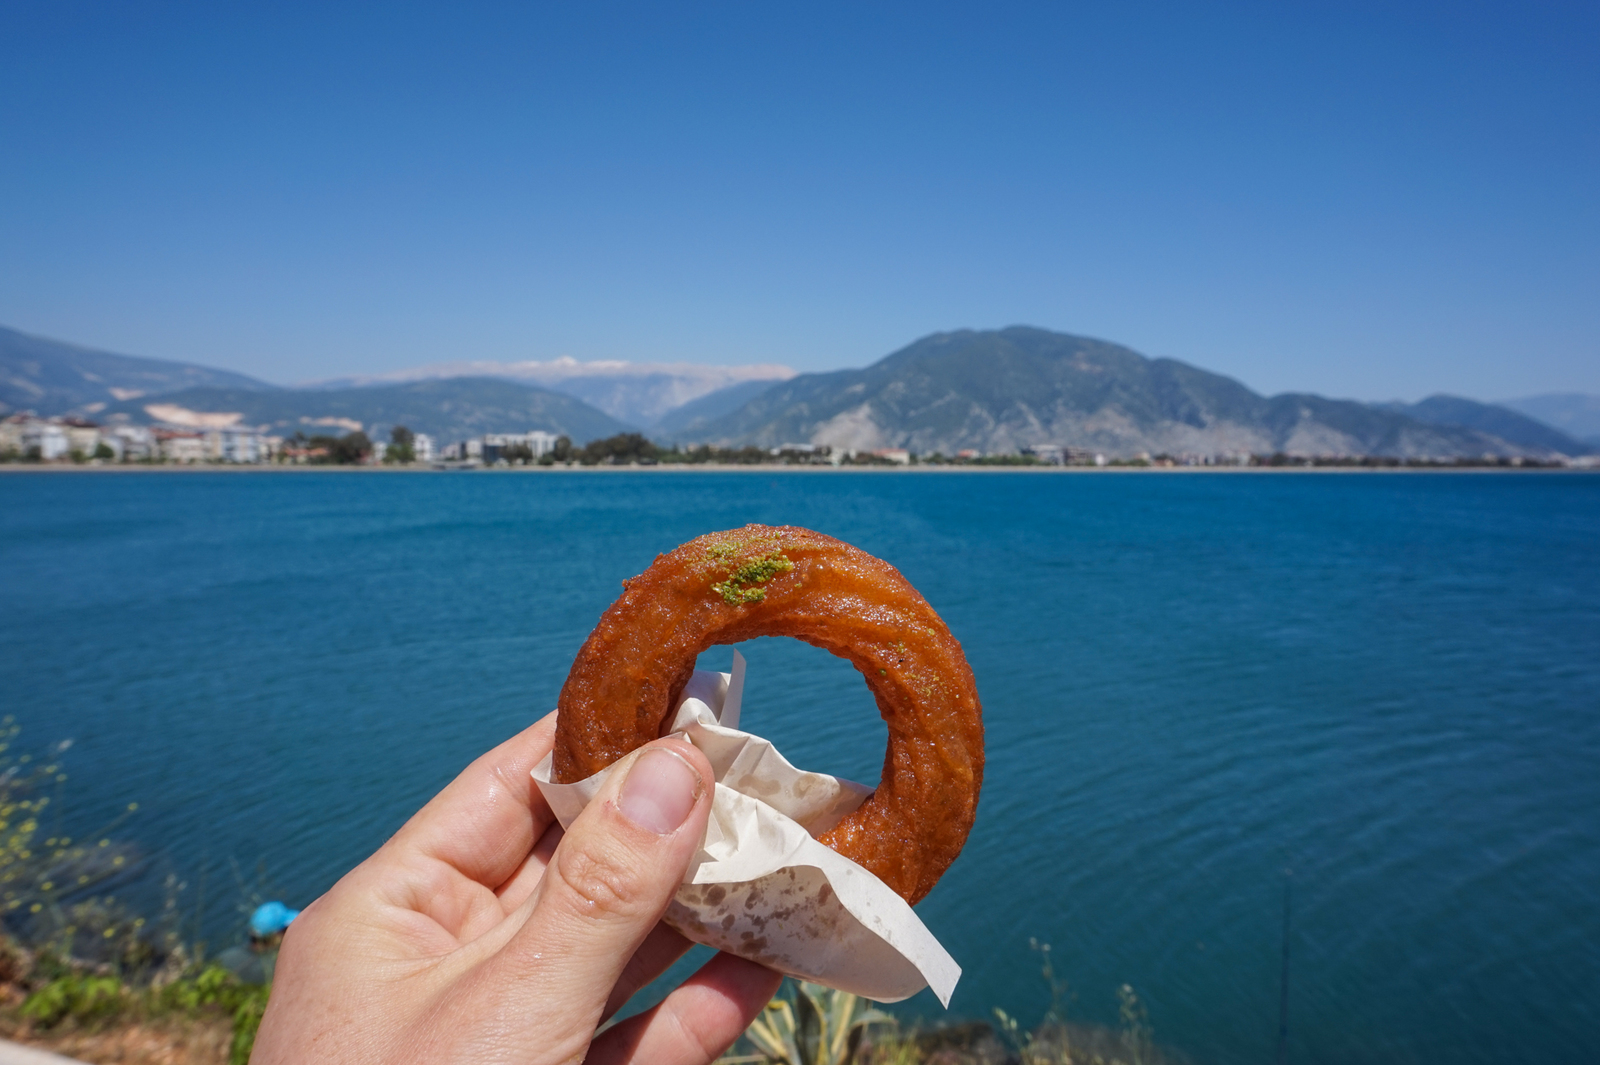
[766,580]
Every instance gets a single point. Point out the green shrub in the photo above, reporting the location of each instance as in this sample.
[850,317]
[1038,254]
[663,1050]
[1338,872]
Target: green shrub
[246,1020]
[92,999]
[211,986]
[80,997]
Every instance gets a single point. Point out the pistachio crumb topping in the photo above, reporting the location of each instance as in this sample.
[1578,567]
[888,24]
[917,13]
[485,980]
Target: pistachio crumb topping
[738,589]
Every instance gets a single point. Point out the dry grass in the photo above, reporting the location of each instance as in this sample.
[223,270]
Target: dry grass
[162,1041]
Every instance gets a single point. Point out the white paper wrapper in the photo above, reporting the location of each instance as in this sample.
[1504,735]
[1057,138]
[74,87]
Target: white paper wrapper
[761,886]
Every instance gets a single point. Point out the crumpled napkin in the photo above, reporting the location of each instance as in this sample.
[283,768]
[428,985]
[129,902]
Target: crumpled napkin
[761,886]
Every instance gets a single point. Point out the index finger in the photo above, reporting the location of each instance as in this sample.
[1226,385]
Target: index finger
[487,820]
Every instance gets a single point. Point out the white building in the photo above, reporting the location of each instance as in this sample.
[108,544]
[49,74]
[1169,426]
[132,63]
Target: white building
[807,454]
[179,445]
[489,447]
[422,447]
[538,442]
[1047,453]
[11,434]
[82,437]
[131,442]
[1059,454]
[234,444]
[48,439]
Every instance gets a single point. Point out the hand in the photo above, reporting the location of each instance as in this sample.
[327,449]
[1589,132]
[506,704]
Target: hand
[481,934]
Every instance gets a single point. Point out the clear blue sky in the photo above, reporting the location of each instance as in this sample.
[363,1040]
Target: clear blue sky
[1372,200]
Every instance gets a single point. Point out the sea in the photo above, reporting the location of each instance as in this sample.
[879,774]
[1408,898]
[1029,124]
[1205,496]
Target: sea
[1351,720]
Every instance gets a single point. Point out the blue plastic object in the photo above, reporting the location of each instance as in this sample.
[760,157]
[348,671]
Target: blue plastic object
[271,918]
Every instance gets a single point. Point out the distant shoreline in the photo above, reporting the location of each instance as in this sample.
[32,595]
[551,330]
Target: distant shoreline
[707,467]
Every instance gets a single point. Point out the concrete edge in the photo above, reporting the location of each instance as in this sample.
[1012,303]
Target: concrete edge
[17,1054]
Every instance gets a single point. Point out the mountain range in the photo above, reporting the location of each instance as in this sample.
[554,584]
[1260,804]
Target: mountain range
[589,399]
[1494,419]
[1002,390]
[452,409]
[1573,413]
[985,390]
[638,393]
[51,377]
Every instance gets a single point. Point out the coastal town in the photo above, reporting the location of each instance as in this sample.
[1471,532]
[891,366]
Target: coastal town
[28,438]
[69,441]
[66,440]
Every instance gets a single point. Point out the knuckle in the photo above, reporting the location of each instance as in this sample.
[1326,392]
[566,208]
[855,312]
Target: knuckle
[603,881]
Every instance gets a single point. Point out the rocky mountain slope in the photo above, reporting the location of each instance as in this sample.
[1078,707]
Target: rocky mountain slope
[50,377]
[448,410]
[689,421]
[638,393]
[1004,389]
[1509,425]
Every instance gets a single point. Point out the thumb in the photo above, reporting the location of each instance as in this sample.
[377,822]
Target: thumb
[611,878]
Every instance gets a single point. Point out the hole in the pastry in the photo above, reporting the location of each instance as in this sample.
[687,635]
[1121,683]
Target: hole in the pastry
[813,706]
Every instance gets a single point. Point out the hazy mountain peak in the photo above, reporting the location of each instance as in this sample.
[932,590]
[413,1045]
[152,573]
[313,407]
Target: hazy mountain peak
[1574,413]
[638,393]
[543,370]
[1495,419]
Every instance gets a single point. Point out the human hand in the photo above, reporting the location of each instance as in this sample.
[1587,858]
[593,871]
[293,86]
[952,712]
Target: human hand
[480,933]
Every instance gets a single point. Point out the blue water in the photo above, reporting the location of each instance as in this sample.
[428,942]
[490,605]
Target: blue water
[1388,684]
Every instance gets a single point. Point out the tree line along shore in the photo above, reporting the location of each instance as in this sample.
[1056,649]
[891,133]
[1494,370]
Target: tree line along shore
[69,443]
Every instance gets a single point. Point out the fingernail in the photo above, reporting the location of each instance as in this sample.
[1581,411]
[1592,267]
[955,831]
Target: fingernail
[660,791]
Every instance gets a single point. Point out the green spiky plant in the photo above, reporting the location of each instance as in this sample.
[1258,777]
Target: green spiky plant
[1136,1034]
[813,1025]
[1030,1048]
